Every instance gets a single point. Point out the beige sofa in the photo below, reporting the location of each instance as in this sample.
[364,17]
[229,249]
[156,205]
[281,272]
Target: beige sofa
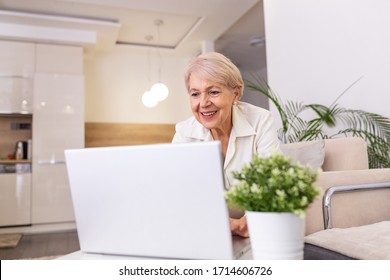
[359,197]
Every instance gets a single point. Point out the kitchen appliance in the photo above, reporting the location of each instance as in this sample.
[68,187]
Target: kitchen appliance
[23,150]
[19,150]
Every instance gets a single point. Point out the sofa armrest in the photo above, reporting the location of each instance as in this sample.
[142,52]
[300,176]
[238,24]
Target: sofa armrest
[327,198]
[352,208]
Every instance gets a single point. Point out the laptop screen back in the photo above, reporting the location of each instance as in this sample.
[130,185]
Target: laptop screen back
[163,200]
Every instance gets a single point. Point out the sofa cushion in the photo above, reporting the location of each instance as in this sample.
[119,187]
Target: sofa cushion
[312,252]
[368,242]
[345,153]
[309,152]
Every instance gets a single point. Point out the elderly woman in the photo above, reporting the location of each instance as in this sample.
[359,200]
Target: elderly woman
[215,86]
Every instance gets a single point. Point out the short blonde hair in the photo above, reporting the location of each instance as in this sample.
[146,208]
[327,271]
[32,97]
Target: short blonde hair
[217,68]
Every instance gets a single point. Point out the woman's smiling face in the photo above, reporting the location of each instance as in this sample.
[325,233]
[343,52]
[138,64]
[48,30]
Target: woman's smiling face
[211,103]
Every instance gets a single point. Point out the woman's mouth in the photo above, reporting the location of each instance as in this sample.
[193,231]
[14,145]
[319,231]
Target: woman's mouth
[208,115]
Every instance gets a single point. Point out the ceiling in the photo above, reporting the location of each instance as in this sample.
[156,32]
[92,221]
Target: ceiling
[178,26]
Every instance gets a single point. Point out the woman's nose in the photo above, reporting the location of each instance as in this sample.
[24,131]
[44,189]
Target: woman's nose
[205,100]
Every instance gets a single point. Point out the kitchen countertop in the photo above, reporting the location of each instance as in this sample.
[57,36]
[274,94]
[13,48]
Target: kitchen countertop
[14,161]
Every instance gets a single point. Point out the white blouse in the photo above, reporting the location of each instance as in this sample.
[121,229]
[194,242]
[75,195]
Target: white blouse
[253,132]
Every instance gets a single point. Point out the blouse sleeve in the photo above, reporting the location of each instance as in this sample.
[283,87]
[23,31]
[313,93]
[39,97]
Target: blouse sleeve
[267,139]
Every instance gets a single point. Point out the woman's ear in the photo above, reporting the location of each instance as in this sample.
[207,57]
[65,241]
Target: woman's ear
[237,91]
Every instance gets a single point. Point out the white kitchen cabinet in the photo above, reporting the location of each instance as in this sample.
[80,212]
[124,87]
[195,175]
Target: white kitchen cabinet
[17,59]
[17,64]
[15,95]
[15,199]
[46,81]
[58,124]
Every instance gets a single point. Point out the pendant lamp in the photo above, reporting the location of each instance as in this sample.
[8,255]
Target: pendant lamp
[159,91]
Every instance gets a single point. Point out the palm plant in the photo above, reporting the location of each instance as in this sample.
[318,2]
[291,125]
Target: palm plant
[330,122]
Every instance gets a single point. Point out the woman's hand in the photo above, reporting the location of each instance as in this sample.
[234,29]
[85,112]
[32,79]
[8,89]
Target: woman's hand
[239,227]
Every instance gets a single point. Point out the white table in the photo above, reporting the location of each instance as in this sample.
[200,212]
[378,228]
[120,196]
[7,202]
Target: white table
[79,255]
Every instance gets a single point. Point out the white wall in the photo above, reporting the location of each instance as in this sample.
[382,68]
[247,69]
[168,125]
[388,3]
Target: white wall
[116,79]
[316,49]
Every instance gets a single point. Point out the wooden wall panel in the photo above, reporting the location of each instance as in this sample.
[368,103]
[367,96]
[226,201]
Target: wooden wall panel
[120,134]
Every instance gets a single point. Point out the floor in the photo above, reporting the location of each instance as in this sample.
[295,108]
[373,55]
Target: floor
[43,245]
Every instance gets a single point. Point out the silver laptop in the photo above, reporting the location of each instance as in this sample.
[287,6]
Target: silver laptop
[158,201]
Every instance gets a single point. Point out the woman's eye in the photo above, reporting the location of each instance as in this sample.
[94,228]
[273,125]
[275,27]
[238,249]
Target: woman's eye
[194,94]
[214,93]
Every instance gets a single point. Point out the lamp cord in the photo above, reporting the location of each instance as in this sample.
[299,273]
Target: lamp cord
[158,52]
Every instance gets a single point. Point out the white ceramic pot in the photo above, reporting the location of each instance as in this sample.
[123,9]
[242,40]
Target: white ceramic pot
[276,236]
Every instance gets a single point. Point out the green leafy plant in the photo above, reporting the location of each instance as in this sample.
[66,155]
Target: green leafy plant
[330,122]
[274,184]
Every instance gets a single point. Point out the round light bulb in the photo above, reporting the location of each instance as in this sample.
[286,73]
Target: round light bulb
[149,100]
[160,90]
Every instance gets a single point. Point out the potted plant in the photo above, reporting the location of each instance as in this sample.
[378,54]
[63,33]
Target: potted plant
[329,122]
[275,193]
